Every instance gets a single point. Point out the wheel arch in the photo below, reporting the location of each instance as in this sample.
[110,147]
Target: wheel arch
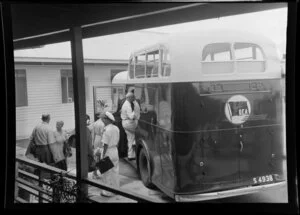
[141,144]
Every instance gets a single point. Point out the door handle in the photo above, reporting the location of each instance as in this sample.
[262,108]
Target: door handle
[242,146]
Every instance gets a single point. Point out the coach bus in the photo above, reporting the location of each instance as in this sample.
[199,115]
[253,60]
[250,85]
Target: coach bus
[211,122]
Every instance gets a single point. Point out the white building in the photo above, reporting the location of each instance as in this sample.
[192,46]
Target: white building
[44,85]
[44,77]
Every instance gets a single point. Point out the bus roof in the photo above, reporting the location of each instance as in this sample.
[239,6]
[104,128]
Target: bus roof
[120,78]
[204,37]
[186,48]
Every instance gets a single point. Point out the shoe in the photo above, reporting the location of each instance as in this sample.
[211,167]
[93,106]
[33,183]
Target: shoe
[95,176]
[106,194]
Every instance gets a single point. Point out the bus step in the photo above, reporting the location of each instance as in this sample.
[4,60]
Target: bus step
[131,162]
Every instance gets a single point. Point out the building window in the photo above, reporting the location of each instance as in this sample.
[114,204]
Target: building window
[21,88]
[67,86]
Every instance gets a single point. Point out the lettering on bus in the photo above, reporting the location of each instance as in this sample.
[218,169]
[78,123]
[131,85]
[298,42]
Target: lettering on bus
[237,109]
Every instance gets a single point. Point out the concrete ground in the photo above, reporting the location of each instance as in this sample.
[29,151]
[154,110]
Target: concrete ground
[129,179]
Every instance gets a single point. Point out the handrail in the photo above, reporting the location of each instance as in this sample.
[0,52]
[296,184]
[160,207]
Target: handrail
[119,191]
[44,166]
[18,199]
[24,187]
[35,187]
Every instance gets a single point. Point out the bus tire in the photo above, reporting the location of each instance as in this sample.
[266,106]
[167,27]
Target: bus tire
[144,169]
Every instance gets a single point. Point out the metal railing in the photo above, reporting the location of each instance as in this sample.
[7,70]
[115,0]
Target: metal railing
[35,181]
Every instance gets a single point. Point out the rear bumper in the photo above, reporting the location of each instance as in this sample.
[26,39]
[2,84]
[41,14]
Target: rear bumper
[227,193]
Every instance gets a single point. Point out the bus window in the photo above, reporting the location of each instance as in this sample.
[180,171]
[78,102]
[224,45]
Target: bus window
[164,107]
[249,58]
[217,58]
[152,92]
[149,98]
[131,68]
[166,66]
[140,66]
[152,64]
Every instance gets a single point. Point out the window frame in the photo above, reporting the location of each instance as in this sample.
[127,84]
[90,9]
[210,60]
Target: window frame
[25,104]
[69,74]
[133,62]
[234,60]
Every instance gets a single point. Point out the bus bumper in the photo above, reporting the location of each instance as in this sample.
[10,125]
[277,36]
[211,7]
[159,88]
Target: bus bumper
[227,193]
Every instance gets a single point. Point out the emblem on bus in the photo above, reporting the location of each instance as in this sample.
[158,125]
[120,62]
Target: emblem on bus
[237,109]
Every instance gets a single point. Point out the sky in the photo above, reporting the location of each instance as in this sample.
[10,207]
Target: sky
[271,23]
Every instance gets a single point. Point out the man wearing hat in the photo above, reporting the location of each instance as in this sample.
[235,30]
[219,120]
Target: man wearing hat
[130,114]
[110,139]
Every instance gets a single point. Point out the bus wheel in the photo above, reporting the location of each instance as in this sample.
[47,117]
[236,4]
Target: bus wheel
[144,168]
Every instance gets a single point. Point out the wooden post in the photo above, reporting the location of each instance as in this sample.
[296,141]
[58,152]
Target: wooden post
[16,183]
[80,111]
[8,100]
[40,185]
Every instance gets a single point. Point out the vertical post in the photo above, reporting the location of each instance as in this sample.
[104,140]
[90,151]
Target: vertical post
[16,183]
[40,185]
[80,111]
[291,158]
[8,89]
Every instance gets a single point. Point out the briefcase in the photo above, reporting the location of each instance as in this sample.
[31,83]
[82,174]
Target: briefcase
[104,165]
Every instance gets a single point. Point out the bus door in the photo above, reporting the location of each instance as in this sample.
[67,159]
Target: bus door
[147,96]
[105,98]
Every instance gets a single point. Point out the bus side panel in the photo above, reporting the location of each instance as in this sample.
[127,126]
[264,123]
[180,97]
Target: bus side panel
[205,156]
[214,153]
[154,128]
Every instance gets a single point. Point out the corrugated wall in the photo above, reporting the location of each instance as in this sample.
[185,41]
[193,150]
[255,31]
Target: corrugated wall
[44,95]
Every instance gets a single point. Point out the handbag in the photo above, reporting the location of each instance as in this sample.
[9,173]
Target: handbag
[67,149]
[31,149]
[104,165]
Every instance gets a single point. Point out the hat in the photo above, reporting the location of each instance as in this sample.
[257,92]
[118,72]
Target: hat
[129,94]
[109,116]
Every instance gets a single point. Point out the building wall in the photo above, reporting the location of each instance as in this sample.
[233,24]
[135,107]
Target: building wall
[44,95]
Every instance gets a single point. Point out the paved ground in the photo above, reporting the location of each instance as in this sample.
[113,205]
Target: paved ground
[130,180]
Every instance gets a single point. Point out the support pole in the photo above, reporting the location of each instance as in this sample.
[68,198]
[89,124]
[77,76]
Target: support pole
[7,78]
[80,111]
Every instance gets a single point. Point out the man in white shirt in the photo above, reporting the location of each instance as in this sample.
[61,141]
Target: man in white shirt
[42,136]
[130,114]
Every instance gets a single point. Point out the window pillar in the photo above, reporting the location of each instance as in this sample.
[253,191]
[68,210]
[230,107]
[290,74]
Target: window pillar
[8,88]
[80,111]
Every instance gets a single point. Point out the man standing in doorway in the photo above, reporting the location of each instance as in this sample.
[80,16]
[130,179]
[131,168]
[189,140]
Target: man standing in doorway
[130,114]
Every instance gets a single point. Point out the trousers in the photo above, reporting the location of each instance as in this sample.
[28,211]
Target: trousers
[129,127]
